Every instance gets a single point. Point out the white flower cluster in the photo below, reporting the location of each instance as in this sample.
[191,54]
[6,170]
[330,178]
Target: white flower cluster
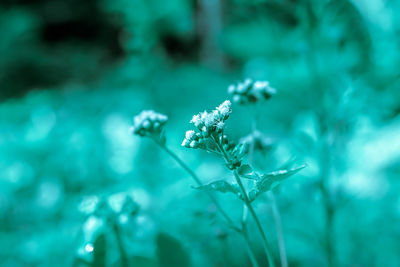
[148,122]
[250,91]
[208,123]
[192,139]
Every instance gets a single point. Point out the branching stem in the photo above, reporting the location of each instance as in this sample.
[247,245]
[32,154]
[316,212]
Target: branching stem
[248,204]
[123,255]
[199,183]
[242,231]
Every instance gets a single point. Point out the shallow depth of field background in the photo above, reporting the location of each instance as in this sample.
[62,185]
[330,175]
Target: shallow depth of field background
[74,73]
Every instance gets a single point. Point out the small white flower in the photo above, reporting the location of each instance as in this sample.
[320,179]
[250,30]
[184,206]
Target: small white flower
[231,89]
[220,126]
[216,115]
[203,115]
[236,98]
[190,135]
[259,85]
[185,143]
[152,116]
[209,120]
[162,117]
[241,88]
[146,124]
[248,81]
[193,144]
[137,120]
[225,109]
[271,90]
[156,125]
[196,120]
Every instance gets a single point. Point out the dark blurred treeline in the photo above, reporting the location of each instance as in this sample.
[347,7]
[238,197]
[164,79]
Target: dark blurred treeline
[43,40]
[48,42]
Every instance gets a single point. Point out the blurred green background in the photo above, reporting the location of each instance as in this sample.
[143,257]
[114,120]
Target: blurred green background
[73,73]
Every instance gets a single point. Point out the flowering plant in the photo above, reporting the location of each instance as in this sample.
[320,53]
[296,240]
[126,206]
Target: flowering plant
[209,136]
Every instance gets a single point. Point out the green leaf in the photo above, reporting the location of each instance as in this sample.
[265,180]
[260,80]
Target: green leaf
[246,171]
[239,151]
[271,180]
[139,261]
[219,186]
[170,252]
[99,251]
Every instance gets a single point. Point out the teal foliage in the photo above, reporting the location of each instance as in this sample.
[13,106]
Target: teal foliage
[78,189]
[170,252]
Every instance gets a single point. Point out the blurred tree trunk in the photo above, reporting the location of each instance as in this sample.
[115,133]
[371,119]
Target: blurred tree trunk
[209,26]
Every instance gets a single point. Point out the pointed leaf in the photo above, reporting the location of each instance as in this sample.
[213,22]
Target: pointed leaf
[289,163]
[271,180]
[219,186]
[246,171]
[238,151]
[170,252]
[280,175]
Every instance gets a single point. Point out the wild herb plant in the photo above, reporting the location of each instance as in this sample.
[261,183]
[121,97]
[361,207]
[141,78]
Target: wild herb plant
[208,135]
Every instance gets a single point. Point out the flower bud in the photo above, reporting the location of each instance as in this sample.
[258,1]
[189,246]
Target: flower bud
[196,120]
[185,143]
[190,135]
[194,144]
[148,122]
[250,92]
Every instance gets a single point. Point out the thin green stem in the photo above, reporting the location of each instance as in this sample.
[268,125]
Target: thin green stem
[278,225]
[329,207]
[251,147]
[245,234]
[199,183]
[329,220]
[250,162]
[250,250]
[249,206]
[122,252]
[256,219]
